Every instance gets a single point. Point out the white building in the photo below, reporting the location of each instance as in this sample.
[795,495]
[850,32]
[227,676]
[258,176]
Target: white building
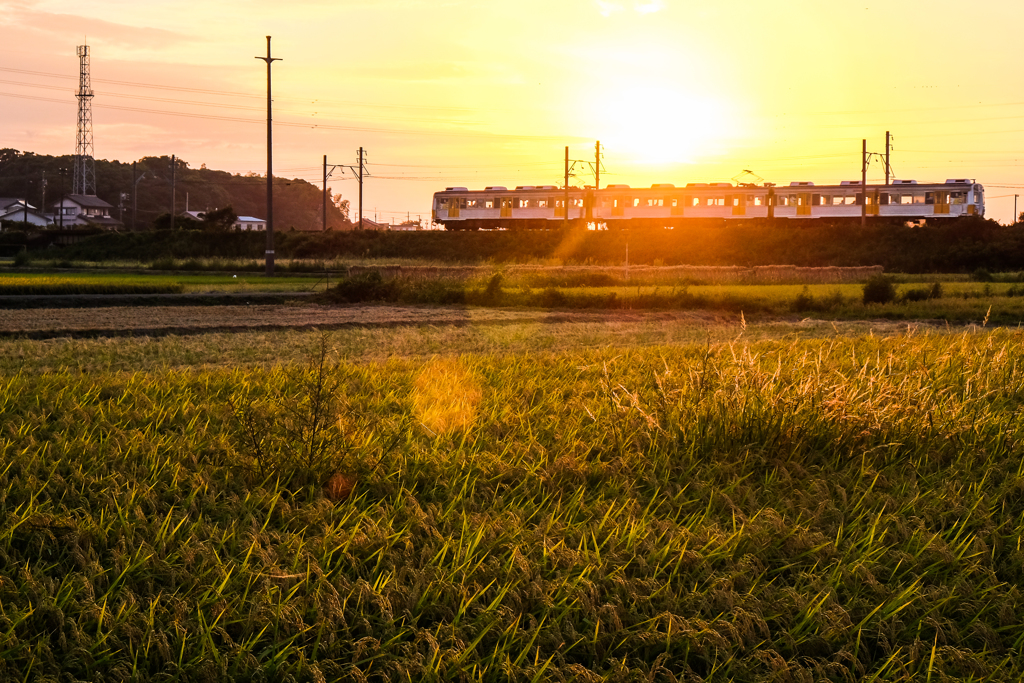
[20,211]
[80,210]
[250,223]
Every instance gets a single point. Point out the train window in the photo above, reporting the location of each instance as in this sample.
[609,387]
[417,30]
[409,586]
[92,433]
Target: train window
[442,203]
[883,198]
[956,197]
[655,202]
[693,201]
[906,199]
[472,203]
[929,197]
[488,203]
[636,201]
[757,200]
[577,202]
[673,202]
[918,199]
[541,203]
[736,201]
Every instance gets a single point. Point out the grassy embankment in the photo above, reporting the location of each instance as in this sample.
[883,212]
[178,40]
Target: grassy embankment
[845,508]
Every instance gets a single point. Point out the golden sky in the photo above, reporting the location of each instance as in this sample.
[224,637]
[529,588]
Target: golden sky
[446,92]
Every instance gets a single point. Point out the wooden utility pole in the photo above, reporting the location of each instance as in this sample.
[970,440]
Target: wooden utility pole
[270,167]
[172,190]
[361,188]
[597,166]
[864,183]
[325,193]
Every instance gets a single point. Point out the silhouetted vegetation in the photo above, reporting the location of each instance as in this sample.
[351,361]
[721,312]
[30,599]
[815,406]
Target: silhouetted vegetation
[297,203]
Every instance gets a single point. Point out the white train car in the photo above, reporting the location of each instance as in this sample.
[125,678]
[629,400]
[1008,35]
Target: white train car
[543,207]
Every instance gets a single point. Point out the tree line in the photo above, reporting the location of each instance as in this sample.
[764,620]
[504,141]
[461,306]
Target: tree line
[298,204]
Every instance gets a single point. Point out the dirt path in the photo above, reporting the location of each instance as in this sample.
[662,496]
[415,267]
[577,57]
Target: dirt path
[44,323]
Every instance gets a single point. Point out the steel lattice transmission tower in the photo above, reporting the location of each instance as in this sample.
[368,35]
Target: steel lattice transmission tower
[85,165]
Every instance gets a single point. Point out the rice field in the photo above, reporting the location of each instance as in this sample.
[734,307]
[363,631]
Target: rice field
[837,502]
[113,282]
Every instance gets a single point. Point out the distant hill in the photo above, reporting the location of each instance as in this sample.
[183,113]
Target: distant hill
[297,203]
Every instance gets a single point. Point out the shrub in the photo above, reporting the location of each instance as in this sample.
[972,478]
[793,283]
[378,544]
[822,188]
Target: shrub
[363,287]
[879,289]
[805,301]
[22,259]
[981,275]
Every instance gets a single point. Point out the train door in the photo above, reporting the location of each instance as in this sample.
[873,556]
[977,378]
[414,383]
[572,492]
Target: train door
[453,207]
[506,208]
[873,204]
[739,205]
[803,204]
[942,202]
[677,205]
[619,206]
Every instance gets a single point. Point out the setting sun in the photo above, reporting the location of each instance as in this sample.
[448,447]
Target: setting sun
[658,125]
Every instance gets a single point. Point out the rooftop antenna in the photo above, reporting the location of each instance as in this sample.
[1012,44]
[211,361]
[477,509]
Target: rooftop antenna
[85,165]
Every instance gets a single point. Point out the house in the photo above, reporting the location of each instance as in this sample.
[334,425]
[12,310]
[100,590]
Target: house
[20,211]
[80,210]
[249,223]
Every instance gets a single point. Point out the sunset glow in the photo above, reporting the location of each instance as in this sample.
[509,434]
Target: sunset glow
[479,94]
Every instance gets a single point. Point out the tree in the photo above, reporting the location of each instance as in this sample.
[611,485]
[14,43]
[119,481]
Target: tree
[219,220]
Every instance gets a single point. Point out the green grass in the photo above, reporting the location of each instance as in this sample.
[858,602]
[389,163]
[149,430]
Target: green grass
[108,282]
[832,508]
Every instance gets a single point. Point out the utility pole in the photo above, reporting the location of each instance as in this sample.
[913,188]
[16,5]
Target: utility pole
[42,204]
[270,167]
[565,222]
[361,161]
[888,138]
[135,192]
[1016,216]
[597,166]
[327,174]
[173,164]
[864,183]
[63,174]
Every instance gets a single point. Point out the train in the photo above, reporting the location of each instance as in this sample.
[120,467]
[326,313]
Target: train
[663,205]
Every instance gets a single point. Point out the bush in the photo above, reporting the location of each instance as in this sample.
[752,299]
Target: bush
[923,293]
[22,259]
[981,275]
[364,287]
[805,301]
[879,289]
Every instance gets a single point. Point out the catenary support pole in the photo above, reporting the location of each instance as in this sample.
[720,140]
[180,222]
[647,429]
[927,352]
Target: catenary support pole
[887,145]
[597,166]
[325,193]
[864,183]
[360,188]
[565,221]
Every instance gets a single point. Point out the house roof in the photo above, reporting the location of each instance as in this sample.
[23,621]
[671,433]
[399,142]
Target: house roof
[88,200]
[249,219]
[9,201]
[12,213]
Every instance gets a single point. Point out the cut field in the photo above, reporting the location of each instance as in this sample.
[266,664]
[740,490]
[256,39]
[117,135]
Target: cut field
[643,498]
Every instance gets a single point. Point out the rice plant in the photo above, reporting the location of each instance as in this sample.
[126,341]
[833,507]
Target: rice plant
[835,508]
